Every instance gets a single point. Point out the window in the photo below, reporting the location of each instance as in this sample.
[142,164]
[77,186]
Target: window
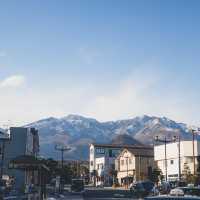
[115,152]
[171,162]
[91,163]
[130,161]
[122,162]
[100,151]
[110,153]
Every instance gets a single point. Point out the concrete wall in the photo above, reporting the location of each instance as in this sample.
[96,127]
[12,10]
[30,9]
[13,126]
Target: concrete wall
[15,147]
[186,154]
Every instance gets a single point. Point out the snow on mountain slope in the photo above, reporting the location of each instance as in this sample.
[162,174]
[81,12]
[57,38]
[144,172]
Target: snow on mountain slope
[78,131]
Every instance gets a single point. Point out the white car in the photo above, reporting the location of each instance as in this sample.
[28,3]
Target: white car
[177,192]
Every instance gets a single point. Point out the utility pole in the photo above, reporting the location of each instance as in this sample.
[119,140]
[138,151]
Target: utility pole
[165,141]
[193,152]
[179,156]
[62,149]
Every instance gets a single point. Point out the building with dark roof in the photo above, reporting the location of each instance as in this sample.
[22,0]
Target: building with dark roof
[134,164]
[102,159]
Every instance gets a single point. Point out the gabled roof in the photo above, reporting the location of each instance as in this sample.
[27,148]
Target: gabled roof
[138,152]
[120,146]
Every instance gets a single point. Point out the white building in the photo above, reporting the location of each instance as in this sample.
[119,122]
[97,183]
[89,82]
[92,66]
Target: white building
[102,161]
[172,158]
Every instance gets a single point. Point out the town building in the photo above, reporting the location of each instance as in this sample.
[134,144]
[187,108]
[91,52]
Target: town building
[102,161]
[22,142]
[4,137]
[175,157]
[134,164]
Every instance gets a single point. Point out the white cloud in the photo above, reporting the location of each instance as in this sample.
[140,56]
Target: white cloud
[130,98]
[139,93]
[13,81]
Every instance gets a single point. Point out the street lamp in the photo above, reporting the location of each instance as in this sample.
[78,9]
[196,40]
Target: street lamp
[62,149]
[165,141]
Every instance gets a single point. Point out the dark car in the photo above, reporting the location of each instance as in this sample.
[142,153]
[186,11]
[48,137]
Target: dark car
[77,185]
[171,198]
[142,188]
[192,191]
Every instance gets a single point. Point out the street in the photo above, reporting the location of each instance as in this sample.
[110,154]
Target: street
[96,194]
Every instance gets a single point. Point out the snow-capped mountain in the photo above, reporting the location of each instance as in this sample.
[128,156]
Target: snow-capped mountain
[78,131]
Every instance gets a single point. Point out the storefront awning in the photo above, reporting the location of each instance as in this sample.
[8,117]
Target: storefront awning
[27,162]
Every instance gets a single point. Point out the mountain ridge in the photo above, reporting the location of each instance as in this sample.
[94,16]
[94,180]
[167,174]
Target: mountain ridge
[78,131]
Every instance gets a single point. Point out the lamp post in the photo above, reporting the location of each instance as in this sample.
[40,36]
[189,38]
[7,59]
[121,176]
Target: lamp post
[62,149]
[165,141]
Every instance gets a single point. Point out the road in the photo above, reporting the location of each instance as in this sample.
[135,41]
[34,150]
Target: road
[98,194]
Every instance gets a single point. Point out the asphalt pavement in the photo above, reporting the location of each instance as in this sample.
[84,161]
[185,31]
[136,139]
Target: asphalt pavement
[96,194]
[89,194]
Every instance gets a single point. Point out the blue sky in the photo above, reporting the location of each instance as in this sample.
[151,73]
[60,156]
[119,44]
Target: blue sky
[99,58]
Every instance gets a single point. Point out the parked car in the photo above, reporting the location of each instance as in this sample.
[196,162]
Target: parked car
[172,198]
[192,191]
[142,188]
[176,192]
[77,185]
[180,193]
